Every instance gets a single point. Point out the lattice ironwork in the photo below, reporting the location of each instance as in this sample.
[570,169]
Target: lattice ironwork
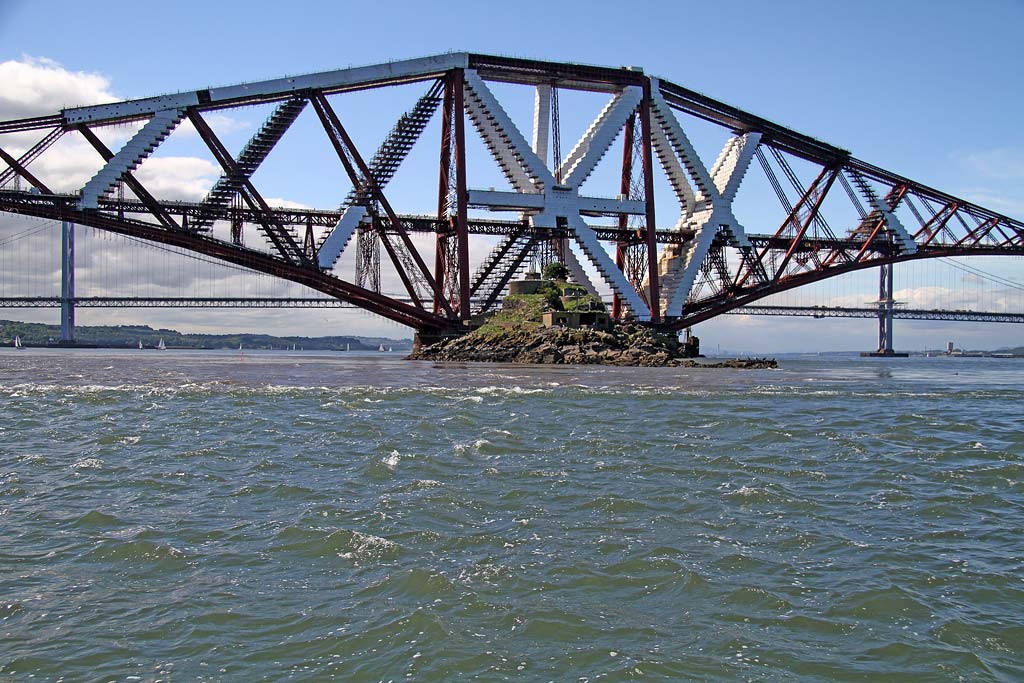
[709,262]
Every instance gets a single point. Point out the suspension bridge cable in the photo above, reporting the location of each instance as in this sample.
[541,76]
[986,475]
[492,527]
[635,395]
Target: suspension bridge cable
[25,233]
[985,275]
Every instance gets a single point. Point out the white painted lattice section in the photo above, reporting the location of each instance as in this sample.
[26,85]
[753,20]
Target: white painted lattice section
[340,236]
[537,195]
[130,155]
[705,206]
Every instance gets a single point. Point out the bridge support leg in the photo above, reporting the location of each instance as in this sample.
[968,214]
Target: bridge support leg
[885,314]
[885,305]
[67,284]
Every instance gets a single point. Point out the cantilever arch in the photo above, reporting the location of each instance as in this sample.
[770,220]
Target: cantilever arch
[67,283]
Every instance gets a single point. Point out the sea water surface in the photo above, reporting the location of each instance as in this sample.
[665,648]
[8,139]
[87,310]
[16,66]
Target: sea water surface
[216,516]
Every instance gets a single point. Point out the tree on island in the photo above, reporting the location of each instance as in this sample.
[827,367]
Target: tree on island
[556,271]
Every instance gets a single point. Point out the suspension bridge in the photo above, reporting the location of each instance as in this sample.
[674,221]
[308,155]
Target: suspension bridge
[776,212]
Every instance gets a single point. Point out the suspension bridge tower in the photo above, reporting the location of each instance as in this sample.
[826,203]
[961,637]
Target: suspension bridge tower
[886,305]
[67,283]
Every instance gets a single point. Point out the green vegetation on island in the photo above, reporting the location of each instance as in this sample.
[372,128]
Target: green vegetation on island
[553,321]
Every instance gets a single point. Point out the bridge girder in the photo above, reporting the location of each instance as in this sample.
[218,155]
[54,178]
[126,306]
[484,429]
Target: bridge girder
[707,264]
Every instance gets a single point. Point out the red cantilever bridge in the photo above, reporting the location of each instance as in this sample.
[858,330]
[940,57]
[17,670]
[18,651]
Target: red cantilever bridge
[842,215]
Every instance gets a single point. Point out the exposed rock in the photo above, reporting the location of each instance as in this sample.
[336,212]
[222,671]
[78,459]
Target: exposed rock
[627,345]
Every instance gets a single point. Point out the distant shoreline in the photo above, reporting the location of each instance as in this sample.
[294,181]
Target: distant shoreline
[41,335]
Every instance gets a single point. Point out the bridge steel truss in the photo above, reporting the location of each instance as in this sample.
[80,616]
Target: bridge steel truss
[706,264]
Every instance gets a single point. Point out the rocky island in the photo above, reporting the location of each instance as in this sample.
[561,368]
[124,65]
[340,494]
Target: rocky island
[551,321]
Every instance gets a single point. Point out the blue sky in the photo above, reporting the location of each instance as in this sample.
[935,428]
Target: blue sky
[931,90]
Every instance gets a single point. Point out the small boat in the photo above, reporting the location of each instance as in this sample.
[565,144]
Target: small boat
[17,343]
[381,348]
[161,346]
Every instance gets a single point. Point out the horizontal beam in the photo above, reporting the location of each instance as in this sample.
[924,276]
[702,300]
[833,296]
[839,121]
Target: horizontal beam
[267,91]
[173,302]
[322,218]
[867,312]
[523,201]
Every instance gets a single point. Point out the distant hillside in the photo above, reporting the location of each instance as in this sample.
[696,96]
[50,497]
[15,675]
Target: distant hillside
[129,336]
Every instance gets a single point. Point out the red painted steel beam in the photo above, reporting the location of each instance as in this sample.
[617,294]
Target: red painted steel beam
[443,182]
[654,291]
[462,194]
[625,185]
[331,123]
[282,239]
[810,217]
[24,172]
[322,108]
[934,225]
[794,219]
[977,233]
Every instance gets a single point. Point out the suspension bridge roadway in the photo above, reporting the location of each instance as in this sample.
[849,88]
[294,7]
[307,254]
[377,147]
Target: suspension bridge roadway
[323,302]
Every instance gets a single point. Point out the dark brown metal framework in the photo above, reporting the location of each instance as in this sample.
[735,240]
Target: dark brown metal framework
[733,271]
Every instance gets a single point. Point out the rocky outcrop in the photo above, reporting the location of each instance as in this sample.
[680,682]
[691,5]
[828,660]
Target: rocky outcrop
[631,345]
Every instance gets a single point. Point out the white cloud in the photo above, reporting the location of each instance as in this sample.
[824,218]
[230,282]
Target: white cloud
[221,123]
[38,86]
[280,203]
[998,164]
[178,178]
[1003,202]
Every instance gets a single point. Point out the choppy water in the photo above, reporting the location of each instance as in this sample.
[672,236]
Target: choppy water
[185,516]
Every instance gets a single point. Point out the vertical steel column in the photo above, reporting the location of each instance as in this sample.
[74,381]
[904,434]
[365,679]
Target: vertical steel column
[462,196]
[67,283]
[624,189]
[440,266]
[885,309]
[654,292]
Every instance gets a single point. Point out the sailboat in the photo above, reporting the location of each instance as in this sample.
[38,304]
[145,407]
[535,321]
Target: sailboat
[161,346]
[17,343]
